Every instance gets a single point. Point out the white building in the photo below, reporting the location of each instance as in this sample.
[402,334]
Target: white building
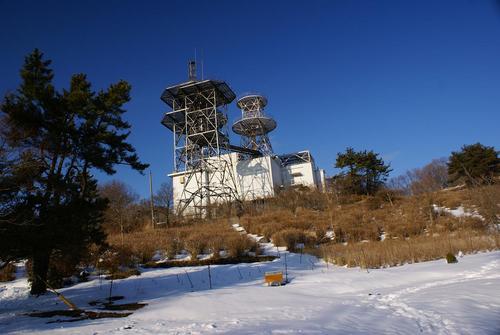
[255,178]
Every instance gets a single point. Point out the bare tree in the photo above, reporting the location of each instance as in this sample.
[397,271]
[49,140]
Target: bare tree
[121,211]
[163,200]
[432,177]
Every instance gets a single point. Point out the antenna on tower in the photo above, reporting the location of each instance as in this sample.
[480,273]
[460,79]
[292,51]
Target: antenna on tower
[254,126]
[198,121]
[192,70]
[202,74]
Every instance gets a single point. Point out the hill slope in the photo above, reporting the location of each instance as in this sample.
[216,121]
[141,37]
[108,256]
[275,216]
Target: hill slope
[432,297]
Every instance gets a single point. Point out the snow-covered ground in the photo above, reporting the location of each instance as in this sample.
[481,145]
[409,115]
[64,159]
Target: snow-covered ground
[432,298]
[458,212]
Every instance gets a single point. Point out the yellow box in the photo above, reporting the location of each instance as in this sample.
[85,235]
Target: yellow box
[275,277]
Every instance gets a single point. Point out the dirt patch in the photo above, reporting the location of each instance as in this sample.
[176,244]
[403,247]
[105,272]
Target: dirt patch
[124,307]
[77,315]
[211,261]
[107,301]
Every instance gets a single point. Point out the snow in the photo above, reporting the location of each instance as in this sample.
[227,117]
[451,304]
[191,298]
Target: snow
[159,256]
[430,298]
[182,256]
[330,234]
[458,212]
[383,236]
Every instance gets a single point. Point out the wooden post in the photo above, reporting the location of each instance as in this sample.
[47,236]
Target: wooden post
[286,270]
[151,199]
[110,290]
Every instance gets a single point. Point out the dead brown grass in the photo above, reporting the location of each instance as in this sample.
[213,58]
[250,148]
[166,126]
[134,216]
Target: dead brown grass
[198,238]
[8,273]
[413,250]
[413,231]
[398,218]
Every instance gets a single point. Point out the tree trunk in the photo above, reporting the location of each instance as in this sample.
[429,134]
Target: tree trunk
[40,269]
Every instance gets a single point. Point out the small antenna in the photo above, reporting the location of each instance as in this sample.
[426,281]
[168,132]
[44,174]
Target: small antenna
[202,73]
[192,70]
[151,199]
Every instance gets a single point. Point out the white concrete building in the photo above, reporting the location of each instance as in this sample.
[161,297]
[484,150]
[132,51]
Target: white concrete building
[208,168]
[255,178]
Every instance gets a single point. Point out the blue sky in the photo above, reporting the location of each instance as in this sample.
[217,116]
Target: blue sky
[411,80]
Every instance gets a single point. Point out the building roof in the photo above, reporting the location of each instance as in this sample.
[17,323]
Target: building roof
[296,158]
[177,93]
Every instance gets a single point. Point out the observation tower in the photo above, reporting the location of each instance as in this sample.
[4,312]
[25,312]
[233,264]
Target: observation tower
[198,121]
[254,126]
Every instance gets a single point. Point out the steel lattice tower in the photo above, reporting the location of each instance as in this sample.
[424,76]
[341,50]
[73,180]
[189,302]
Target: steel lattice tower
[198,121]
[254,126]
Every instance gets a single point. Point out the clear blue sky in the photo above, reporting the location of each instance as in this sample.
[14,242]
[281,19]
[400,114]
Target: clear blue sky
[411,80]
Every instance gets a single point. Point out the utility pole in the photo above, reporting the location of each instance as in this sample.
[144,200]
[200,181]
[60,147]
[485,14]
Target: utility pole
[151,199]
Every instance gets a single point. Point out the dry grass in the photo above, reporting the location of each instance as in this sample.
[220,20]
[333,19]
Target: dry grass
[198,238]
[8,273]
[412,250]
[290,237]
[413,231]
[408,224]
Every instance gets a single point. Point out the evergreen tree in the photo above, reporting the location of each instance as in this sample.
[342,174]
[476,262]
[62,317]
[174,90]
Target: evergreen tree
[57,139]
[474,164]
[365,171]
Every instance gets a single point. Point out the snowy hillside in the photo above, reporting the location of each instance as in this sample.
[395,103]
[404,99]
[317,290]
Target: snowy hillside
[430,298]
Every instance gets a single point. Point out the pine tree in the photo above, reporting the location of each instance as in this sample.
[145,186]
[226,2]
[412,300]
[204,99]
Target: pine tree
[365,174]
[474,164]
[57,140]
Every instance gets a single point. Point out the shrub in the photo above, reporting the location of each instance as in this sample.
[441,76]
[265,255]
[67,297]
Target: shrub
[8,273]
[173,246]
[112,260]
[215,245]
[450,258]
[196,244]
[289,237]
[237,246]
[122,274]
[400,251]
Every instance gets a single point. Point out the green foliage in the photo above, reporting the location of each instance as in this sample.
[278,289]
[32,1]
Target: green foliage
[54,141]
[474,164]
[364,172]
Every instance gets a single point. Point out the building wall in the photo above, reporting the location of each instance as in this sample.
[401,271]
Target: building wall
[299,174]
[253,179]
[321,180]
[257,178]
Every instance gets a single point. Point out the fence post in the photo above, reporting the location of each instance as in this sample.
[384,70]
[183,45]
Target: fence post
[286,270]
[209,277]
[110,290]
[190,282]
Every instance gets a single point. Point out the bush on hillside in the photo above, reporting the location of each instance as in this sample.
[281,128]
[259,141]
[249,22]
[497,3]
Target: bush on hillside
[289,237]
[8,273]
[450,258]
